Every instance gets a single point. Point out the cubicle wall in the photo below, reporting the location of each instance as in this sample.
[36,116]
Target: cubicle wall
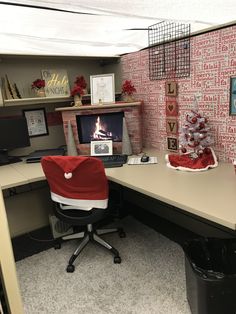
[7,265]
[213,63]
[23,70]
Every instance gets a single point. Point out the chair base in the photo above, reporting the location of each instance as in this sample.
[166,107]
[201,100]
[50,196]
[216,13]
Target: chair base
[93,236]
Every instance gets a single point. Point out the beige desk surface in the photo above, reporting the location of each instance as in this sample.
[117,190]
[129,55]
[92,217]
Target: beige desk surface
[210,194]
[9,177]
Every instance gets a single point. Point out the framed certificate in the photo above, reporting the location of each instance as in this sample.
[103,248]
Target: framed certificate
[102,89]
[36,121]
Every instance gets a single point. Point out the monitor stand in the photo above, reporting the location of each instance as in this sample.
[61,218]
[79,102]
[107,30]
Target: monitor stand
[5,159]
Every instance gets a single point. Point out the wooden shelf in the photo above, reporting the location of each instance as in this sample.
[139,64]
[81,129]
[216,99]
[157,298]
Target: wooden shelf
[118,104]
[43,100]
[36,100]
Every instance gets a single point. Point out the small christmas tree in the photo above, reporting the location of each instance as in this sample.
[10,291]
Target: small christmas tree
[195,137]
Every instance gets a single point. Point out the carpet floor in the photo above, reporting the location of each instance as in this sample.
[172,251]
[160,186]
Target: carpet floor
[150,279]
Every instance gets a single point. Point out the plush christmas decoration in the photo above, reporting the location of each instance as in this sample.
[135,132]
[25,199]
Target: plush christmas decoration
[76,180]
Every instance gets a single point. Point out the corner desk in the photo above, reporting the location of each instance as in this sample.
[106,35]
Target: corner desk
[204,202]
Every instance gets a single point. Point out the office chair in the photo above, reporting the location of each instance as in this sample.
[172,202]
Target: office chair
[79,188]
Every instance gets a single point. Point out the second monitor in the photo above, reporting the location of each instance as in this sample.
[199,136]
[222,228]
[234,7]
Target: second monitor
[13,134]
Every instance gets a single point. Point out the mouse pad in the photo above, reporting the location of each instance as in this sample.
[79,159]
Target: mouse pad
[137,161]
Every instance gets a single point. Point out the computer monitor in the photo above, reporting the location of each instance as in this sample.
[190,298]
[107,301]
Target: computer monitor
[13,134]
[102,126]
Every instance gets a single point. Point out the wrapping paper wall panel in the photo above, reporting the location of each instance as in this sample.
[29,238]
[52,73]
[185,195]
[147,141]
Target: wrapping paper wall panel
[213,62]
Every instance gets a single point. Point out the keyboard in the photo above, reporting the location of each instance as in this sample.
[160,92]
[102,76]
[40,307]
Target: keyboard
[38,154]
[110,161]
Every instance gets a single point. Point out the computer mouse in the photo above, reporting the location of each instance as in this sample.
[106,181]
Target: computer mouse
[144,158]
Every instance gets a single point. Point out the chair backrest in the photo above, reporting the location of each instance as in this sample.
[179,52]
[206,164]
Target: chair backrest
[77,181]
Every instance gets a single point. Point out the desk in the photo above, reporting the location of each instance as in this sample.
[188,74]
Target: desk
[208,196]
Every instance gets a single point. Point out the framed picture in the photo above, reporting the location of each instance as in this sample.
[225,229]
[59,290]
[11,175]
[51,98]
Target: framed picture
[36,121]
[232,103]
[101,148]
[102,89]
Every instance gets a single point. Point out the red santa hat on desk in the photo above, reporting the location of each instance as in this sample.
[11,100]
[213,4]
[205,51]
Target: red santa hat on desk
[76,180]
[192,162]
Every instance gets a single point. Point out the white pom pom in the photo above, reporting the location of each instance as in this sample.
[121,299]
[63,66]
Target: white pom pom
[68,175]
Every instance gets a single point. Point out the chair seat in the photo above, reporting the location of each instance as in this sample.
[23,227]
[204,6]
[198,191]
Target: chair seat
[76,217]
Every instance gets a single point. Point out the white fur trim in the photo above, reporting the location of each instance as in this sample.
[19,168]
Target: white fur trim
[79,204]
[194,170]
[68,175]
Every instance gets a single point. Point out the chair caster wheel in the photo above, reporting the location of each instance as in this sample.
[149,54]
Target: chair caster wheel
[70,268]
[121,233]
[57,246]
[117,260]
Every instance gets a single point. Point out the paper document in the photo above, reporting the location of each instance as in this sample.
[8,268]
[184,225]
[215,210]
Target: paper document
[137,161]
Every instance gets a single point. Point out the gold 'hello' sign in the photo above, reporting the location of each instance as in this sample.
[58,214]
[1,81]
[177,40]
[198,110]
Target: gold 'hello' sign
[56,83]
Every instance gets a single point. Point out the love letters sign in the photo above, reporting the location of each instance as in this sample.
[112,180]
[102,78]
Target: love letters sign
[171,126]
[171,88]
[172,115]
[171,108]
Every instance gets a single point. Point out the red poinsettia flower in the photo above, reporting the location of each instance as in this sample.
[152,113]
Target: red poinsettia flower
[128,88]
[80,80]
[77,90]
[38,84]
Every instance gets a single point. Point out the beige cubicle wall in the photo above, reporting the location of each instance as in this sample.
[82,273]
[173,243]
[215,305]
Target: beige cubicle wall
[7,264]
[29,209]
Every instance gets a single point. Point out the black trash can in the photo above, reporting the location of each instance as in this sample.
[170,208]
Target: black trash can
[210,268]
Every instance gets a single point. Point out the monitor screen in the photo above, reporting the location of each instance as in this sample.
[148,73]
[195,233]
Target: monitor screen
[103,126]
[13,134]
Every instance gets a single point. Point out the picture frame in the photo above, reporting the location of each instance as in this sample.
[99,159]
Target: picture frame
[36,121]
[102,89]
[232,97]
[100,148]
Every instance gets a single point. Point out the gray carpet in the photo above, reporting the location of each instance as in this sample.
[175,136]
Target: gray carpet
[150,279]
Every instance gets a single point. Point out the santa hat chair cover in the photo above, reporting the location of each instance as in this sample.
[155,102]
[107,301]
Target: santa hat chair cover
[77,181]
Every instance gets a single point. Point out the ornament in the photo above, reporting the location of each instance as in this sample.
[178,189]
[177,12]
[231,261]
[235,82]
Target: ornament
[207,150]
[201,125]
[183,150]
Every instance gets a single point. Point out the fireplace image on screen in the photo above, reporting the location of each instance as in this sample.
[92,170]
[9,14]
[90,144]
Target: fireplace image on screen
[103,126]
